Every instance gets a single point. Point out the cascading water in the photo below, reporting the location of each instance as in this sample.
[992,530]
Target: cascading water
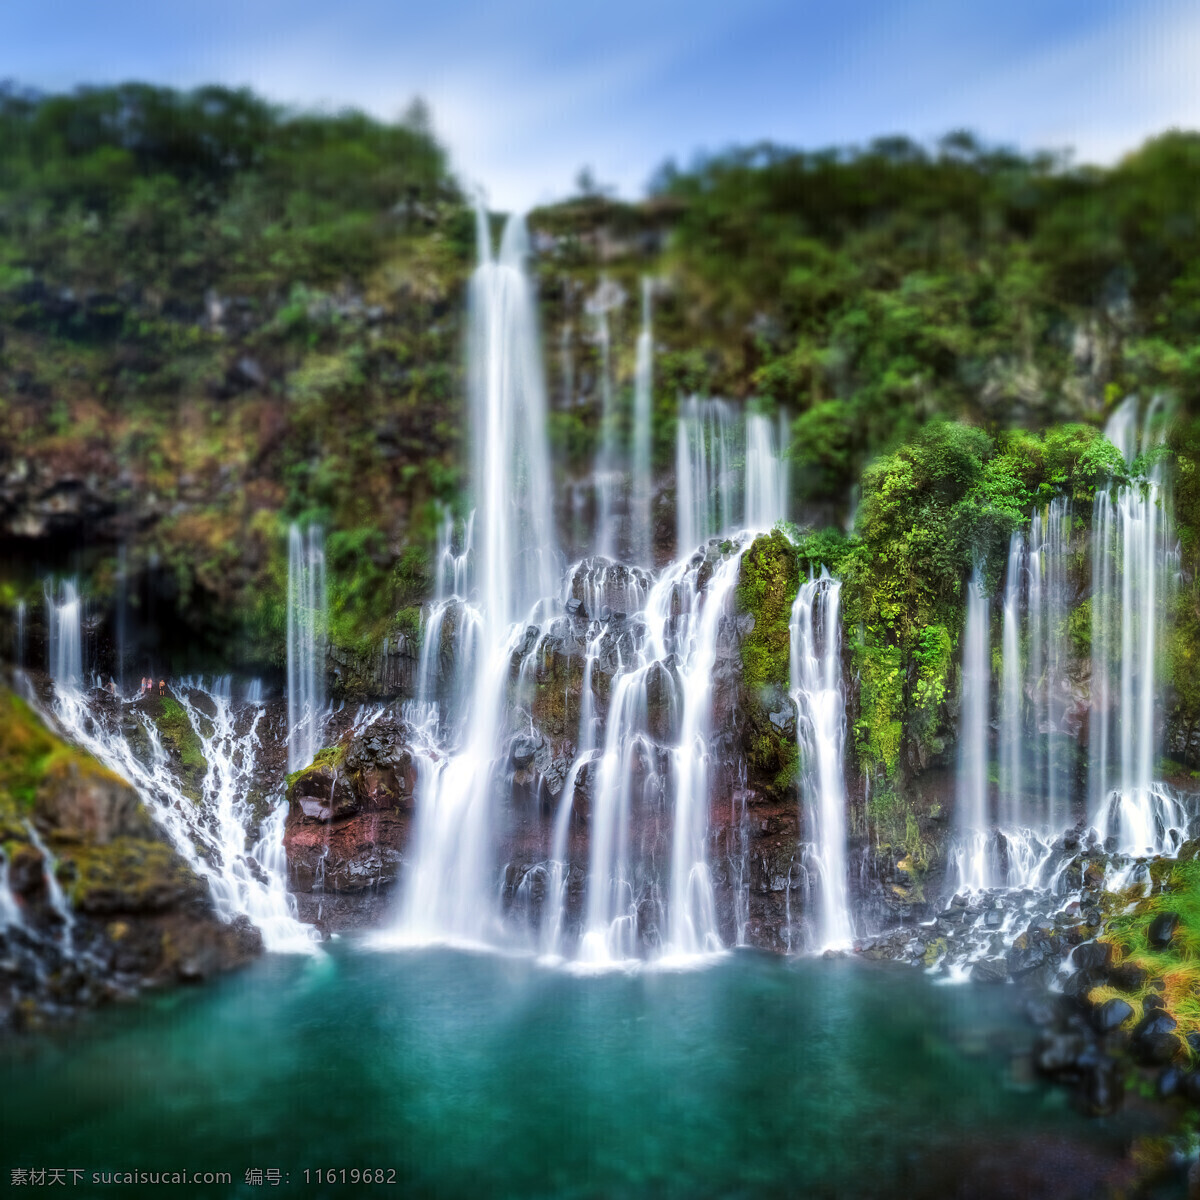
[1134,563]
[209,832]
[1038,716]
[693,922]
[641,486]
[971,853]
[727,470]
[606,471]
[766,472]
[706,484]
[19,636]
[449,893]
[64,625]
[816,689]
[305,644]
[659,712]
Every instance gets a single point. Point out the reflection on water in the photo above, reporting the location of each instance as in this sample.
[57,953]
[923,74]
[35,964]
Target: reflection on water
[478,1075]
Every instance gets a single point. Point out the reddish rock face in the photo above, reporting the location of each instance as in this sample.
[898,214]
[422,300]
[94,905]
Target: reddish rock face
[348,825]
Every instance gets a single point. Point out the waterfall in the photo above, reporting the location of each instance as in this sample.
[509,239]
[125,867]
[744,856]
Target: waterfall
[450,891]
[693,923]
[211,835]
[641,490]
[10,910]
[64,619]
[1134,563]
[451,568]
[305,644]
[766,472]
[662,703]
[971,790]
[815,684]
[606,471]
[706,484]
[1012,738]
[19,641]
[54,892]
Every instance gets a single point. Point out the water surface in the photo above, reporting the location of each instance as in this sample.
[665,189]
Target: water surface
[476,1075]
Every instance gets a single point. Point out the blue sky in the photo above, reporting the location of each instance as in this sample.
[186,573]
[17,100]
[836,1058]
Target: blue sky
[524,94]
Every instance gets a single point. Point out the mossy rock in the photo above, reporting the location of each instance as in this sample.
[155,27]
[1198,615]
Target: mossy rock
[329,756]
[768,580]
[128,875]
[32,758]
[182,742]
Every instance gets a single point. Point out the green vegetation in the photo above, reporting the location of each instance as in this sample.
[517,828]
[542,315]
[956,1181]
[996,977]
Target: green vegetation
[1175,889]
[29,756]
[181,740]
[767,586]
[329,756]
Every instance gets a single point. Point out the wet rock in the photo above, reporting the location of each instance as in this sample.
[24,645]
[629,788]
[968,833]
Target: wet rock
[662,704]
[1024,959]
[524,750]
[1102,1088]
[574,607]
[1154,1040]
[993,918]
[1092,956]
[784,721]
[380,766]
[324,794]
[1162,930]
[1127,976]
[1172,1082]
[1079,985]
[1156,1049]
[1056,1052]
[989,970]
[1112,1014]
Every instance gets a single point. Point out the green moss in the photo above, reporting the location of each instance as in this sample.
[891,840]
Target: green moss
[30,754]
[183,741]
[125,874]
[329,756]
[768,581]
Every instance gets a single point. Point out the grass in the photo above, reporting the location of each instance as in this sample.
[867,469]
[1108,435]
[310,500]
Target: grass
[1174,887]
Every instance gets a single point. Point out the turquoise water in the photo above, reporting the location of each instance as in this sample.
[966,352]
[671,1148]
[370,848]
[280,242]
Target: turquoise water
[474,1075]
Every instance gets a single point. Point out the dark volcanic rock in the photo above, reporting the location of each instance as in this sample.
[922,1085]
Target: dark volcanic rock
[1111,1015]
[1127,976]
[1162,930]
[1092,956]
[989,970]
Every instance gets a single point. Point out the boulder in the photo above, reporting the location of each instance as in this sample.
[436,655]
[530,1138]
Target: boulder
[989,970]
[1092,956]
[1127,976]
[324,793]
[1154,1039]
[1162,930]
[1110,1015]
[1056,1052]
[381,767]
